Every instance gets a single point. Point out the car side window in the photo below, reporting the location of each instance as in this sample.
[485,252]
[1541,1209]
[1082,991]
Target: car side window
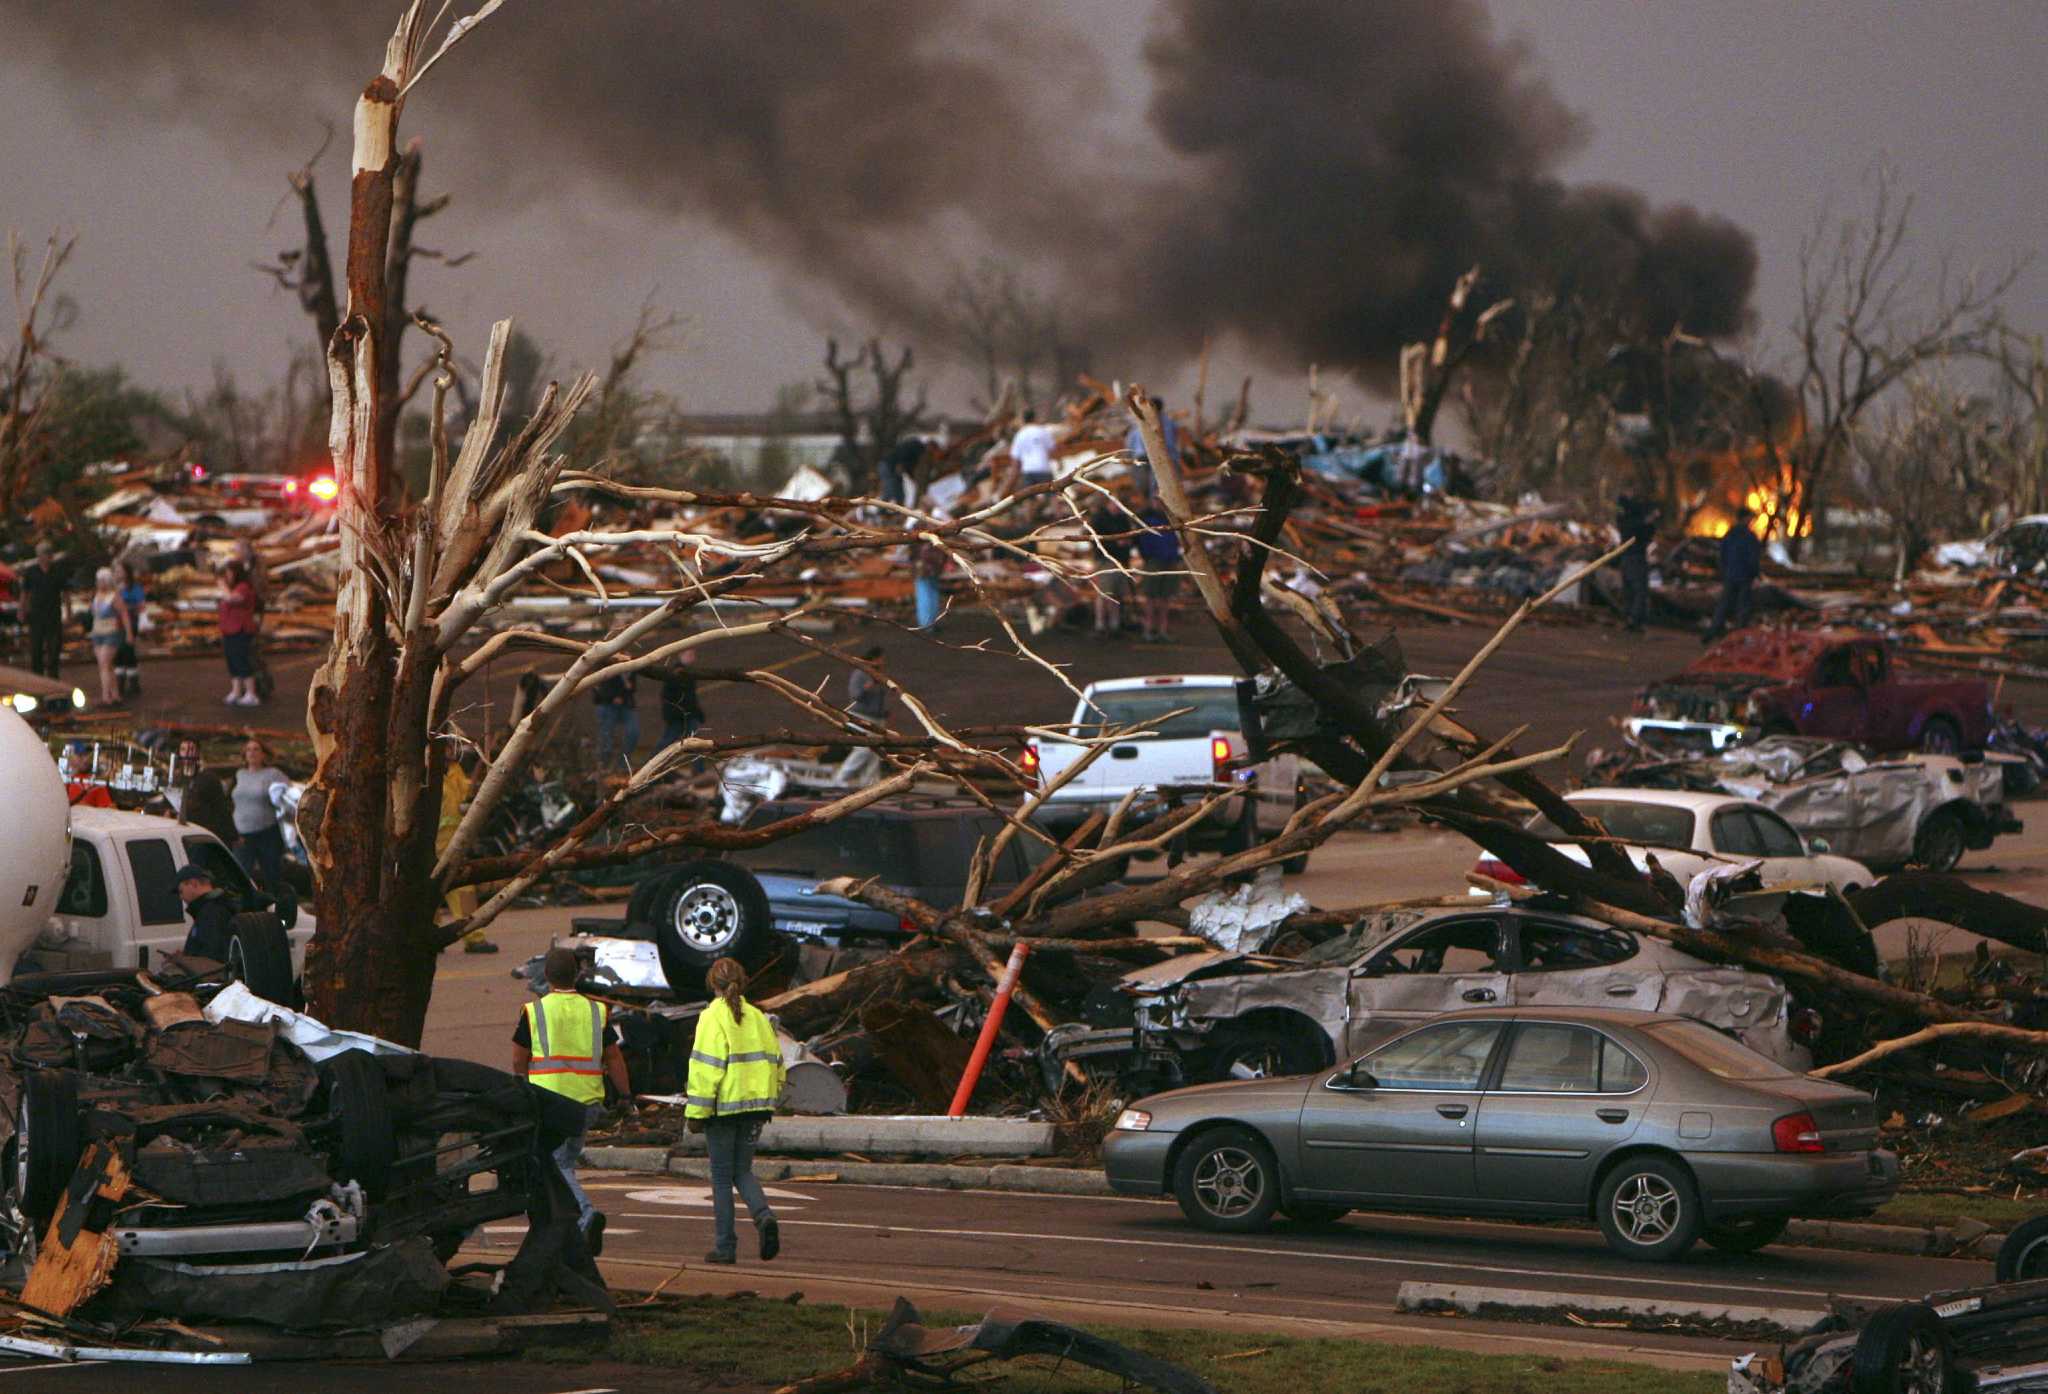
[85,888]
[1775,836]
[1837,668]
[1457,946]
[1620,1072]
[156,881]
[1735,835]
[1448,1057]
[1547,947]
[1547,1059]
[227,872]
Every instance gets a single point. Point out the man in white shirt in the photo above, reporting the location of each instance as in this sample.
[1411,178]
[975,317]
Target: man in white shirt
[1032,449]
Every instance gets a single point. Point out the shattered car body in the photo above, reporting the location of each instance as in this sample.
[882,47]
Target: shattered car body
[1884,811]
[1993,1340]
[1222,1015]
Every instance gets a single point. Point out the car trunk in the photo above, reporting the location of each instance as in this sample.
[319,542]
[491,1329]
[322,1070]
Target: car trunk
[1847,1118]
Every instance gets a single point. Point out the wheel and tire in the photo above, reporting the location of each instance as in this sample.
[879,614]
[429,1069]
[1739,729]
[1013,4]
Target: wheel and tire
[1649,1209]
[1940,737]
[1744,1236]
[1244,833]
[705,911]
[48,1143]
[2023,1257]
[260,955]
[1227,1180]
[1941,841]
[1902,1350]
[1313,1214]
[366,1140]
[1261,1051]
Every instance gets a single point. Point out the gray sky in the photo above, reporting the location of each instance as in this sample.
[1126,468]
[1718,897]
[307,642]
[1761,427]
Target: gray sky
[1755,110]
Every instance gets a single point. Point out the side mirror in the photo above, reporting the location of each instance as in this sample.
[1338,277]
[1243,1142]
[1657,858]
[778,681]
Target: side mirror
[1359,1077]
[1819,845]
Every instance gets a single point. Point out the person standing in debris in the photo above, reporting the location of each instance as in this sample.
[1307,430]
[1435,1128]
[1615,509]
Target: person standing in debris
[866,694]
[1159,550]
[618,719]
[460,900]
[1032,449]
[1141,461]
[1742,561]
[927,566]
[41,587]
[1112,529]
[1635,520]
[112,626]
[259,844]
[238,634]
[211,911]
[681,712]
[565,1043]
[203,800]
[897,469]
[127,666]
[736,1077]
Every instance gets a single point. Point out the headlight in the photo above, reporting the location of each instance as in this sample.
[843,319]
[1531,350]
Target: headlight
[78,699]
[22,703]
[1133,1120]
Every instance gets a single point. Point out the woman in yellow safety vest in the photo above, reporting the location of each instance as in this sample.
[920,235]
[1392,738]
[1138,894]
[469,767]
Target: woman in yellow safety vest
[736,1078]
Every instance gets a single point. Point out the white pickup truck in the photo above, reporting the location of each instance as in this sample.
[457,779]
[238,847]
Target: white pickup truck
[1193,753]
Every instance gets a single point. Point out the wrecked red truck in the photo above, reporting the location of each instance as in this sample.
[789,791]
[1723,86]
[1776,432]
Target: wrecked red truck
[1841,684]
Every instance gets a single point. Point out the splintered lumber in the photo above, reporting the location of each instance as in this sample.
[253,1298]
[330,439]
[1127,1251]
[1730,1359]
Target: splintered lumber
[915,1047]
[76,1260]
[816,1006]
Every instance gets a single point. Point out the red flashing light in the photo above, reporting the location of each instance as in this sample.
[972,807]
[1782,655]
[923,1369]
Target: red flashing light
[1028,762]
[325,488]
[1796,1132]
[291,487]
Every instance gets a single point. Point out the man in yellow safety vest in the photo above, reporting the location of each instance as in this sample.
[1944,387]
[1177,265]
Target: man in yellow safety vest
[566,1043]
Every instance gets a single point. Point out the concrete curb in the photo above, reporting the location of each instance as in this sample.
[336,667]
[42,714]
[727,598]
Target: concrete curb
[1475,1301]
[899,1136]
[1967,1239]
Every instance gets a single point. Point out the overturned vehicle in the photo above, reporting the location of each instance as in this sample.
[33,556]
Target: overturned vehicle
[1227,1015]
[1886,811]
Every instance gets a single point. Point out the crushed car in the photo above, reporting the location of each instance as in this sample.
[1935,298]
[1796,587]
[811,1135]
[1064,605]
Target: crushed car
[1222,1015]
[1886,811]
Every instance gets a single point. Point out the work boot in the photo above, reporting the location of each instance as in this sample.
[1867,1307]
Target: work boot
[719,1256]
[771,1237]
[479,946]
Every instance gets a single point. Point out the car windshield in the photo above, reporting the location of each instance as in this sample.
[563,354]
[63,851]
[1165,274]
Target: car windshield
[850,847]
[1654,824]
[1211,709]
[1719,1055]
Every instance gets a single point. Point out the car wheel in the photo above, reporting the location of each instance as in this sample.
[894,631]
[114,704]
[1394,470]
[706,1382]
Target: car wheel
[1941,841]
[705,911]
[1244,833]
[1902,1350]
[1311,1214]
[1649,1209]
[1744,1236]
[48,1143]
[2023,1257]
[367,1142]
[1940,737]
[1227,1180]
[1261,1052]
[260,955]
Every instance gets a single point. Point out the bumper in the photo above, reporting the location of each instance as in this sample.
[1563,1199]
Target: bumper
[1135,1163]
[1829,1185]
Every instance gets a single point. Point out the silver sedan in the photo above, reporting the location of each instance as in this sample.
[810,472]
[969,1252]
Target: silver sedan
[1661,1128]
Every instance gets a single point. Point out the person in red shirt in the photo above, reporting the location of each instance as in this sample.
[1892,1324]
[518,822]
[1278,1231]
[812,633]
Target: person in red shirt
[238,634]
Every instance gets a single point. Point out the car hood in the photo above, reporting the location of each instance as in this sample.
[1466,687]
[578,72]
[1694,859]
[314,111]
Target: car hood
[1178,1108]
[1209,963]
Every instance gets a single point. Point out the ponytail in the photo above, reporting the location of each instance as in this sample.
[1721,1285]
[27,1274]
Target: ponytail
[727,981]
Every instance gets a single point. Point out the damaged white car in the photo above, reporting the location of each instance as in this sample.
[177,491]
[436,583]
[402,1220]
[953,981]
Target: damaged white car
[1221,1015]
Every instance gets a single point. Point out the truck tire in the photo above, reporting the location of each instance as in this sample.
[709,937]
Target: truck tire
[1244,833]
[366,1142]
[49,1144]
[2023,1257]
[260,956]
[1902,1350]
[1941,841]
[1940,737]
[705,911]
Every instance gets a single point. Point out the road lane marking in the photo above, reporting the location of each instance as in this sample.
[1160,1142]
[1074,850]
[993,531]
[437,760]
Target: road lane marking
[701,1196]
[1242,1249]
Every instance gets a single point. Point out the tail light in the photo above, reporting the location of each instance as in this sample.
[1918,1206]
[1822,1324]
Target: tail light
[291,488]
[1498,870]
[1028,763]
[907,925]
[1804,1025]
[1796,1132]
[1219,758]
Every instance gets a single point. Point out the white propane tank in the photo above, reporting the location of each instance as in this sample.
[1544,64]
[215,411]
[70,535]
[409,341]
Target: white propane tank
[36,856]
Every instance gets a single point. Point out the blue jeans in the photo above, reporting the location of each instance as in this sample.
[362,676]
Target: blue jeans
[930,601]
[731,1144]
[566,1156]
[618,734]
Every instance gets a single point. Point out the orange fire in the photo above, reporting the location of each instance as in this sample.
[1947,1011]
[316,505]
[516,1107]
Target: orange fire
[1755,477]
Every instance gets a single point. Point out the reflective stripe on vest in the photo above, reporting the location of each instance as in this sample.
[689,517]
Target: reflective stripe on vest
[577,1071]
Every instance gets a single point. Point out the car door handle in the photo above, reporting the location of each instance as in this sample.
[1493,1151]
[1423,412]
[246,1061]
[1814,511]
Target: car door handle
[1479,994]
[1611,1115]
[1621,992]
[1123,752]
[1452,1110]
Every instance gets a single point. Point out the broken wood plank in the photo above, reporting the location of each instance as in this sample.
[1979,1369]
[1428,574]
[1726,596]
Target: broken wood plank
[68,1271]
